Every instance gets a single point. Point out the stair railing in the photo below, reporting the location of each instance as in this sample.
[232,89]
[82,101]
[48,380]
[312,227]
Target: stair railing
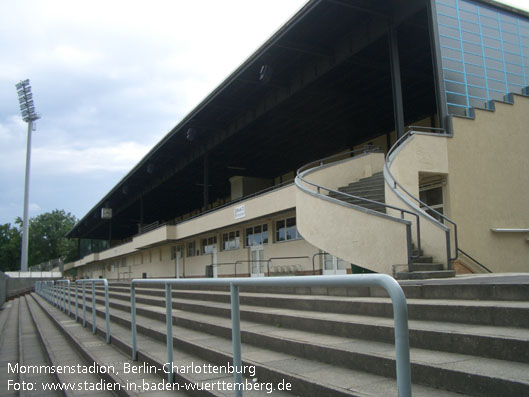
[93,281]
[315,165]
[394,290]
[394,185]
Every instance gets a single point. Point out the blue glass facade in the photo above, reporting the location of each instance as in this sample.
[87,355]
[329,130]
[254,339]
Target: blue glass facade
[484,52]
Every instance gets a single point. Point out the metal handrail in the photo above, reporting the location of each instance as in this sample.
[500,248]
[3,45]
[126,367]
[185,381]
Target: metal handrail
[397,184]
[367,149]
[64,284]
[398,299]
[475,260]
[282,257]
[93,281]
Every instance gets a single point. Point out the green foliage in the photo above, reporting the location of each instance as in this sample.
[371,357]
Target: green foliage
[10,243]
[47,240]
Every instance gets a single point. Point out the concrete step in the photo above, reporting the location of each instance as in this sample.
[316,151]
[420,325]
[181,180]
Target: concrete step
[64,355]
[422,267]
[425,274]
[461,288]
[494,342]
[421,258]
[152,356]
[463,373]
[276,363]
[494,313]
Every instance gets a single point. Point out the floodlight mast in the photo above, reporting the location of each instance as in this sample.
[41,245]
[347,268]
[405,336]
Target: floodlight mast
[27,109]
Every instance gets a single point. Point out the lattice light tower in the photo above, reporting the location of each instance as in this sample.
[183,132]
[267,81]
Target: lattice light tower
[27,108]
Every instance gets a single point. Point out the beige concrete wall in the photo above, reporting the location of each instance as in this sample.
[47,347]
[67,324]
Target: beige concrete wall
[489,184]
[268,203]
[367,240]
[347,171]
[420,153]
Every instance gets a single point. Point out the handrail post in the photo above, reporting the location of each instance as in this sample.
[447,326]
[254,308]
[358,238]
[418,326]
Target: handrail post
[107,312]
[76,304]
[169,334]
[84,305]
[93,307]
[133,321]
[402,344]
[236,338]
[69,299]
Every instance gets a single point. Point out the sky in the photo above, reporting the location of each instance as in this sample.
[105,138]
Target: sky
[110,79]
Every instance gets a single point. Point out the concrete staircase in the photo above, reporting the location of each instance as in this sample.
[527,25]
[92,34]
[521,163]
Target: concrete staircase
[466,339]
[372,188]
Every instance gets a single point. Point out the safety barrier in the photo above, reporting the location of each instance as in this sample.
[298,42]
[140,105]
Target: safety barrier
[400,314]
[55,293]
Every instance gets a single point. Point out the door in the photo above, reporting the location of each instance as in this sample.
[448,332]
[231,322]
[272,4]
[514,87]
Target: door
[178,260]
[257,262]
[214,260]
[333,265]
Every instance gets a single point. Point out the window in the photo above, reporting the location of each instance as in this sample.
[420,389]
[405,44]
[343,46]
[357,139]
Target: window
[231,241]
[191,249]
[433,197]
[123,262]
[286,230]
[257,235]
[209,245]
[176,251]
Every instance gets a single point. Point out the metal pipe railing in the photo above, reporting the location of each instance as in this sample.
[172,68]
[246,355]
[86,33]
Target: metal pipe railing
[413,130]
[65,284]
[107,313]
[400,314]
[282,257]
[301,172]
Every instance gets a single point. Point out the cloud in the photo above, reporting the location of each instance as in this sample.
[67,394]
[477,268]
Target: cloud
[100,157]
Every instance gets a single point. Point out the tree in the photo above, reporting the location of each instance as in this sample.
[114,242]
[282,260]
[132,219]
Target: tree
[10,244]
[47,237]
[47,240]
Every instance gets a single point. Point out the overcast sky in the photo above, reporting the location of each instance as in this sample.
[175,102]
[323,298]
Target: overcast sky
[111,78]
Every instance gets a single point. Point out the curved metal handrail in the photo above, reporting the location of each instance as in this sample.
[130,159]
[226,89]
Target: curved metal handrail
[387,164]
[301,172]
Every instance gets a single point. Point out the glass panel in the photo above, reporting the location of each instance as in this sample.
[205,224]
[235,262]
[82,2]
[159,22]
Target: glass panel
[489,42]
[473,59]
[468,16]
[456,99]
[475,80]
[265,234]
[515,79]
[450,53]
[342,265]
[471,37]
[291,229]
[490,22]
[280,231]
[477,102]
[473,48]
[328,262]
[448,31]
[432,196]
[495,74]
[456,87]
[476,91]
[469,26]
[476,70]
[249,237]
[492,53]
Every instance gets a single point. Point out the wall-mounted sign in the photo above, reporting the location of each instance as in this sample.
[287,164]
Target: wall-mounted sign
[240,211]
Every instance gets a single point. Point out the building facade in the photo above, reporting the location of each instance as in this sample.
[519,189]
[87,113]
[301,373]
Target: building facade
[362,136]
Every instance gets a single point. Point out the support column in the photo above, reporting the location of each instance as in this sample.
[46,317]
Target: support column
[206,181]
[396,85]
[437,67]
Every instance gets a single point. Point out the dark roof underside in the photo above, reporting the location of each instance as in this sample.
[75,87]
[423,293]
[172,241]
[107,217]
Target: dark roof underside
[330,88]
